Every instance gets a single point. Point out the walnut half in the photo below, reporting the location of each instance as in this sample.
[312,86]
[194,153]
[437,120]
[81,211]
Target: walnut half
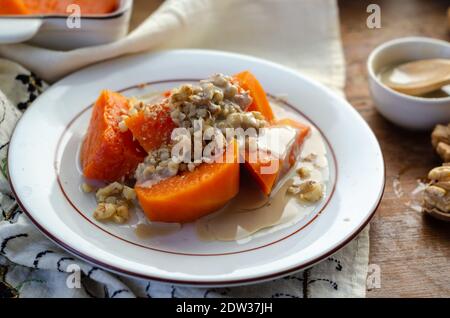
[437,194]
[309,191]
[440,139]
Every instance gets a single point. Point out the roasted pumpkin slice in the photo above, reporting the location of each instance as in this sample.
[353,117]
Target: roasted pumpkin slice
[278,149]
[151,127]
[191,195]
[260,102]
[107,153]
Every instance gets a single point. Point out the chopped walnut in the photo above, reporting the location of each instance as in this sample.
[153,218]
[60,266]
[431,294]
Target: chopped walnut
[104,211]
[114,202]
[87,188]
[210,107]
[309,191]
[310,157]
[218,101]
[303,172]
[112,189]
[440,139]
[437,194]
[129,193]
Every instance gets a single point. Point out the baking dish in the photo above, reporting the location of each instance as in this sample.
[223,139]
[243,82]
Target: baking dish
[52,31]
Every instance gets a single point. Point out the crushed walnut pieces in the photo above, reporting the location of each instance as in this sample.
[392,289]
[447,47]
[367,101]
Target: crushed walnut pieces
[218,101]
[87,188]
[208,108]
[114,203]
[303,172]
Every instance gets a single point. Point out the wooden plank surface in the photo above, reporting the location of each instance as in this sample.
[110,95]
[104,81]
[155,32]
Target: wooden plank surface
[413,251]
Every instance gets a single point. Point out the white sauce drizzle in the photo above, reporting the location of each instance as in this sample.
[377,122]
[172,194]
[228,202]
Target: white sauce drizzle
[236,222]
[251,214]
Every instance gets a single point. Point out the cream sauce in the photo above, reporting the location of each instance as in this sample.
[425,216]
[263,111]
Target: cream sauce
[155,229]
[246,214]
[251,214]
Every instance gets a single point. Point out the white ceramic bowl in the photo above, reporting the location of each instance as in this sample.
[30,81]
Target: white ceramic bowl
[407,111]
[51,31]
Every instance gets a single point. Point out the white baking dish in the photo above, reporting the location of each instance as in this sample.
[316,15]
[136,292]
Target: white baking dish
[52,31]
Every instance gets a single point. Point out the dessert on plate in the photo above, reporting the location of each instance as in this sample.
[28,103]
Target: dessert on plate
[212,152]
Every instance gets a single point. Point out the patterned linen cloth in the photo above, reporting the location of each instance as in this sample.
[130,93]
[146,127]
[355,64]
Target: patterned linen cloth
[33,266]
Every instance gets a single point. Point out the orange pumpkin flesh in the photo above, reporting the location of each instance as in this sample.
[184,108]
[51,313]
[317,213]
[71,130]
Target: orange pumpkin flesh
[266,181]
[260,102]
[152,131]
[108,154]
[191,195]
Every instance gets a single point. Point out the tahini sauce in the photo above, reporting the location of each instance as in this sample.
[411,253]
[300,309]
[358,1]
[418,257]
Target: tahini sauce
[250,214]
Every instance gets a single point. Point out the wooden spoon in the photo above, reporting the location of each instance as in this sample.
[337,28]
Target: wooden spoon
[419,77]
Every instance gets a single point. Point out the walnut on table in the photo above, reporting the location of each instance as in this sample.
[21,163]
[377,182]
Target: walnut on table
[440,139]
[436,198]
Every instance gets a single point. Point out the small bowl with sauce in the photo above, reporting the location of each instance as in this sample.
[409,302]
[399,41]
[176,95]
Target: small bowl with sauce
[413,112]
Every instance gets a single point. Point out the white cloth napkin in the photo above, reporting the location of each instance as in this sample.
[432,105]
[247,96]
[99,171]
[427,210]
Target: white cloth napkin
[301,34]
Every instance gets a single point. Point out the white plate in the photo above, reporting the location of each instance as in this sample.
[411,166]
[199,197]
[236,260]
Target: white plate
[45,175]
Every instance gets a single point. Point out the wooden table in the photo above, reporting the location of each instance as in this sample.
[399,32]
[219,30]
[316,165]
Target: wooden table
[412,251]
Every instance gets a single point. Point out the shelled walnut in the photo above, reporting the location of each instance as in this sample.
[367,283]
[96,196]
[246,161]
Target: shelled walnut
[114,202]
[440,139]
[437,193]
[309,191]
